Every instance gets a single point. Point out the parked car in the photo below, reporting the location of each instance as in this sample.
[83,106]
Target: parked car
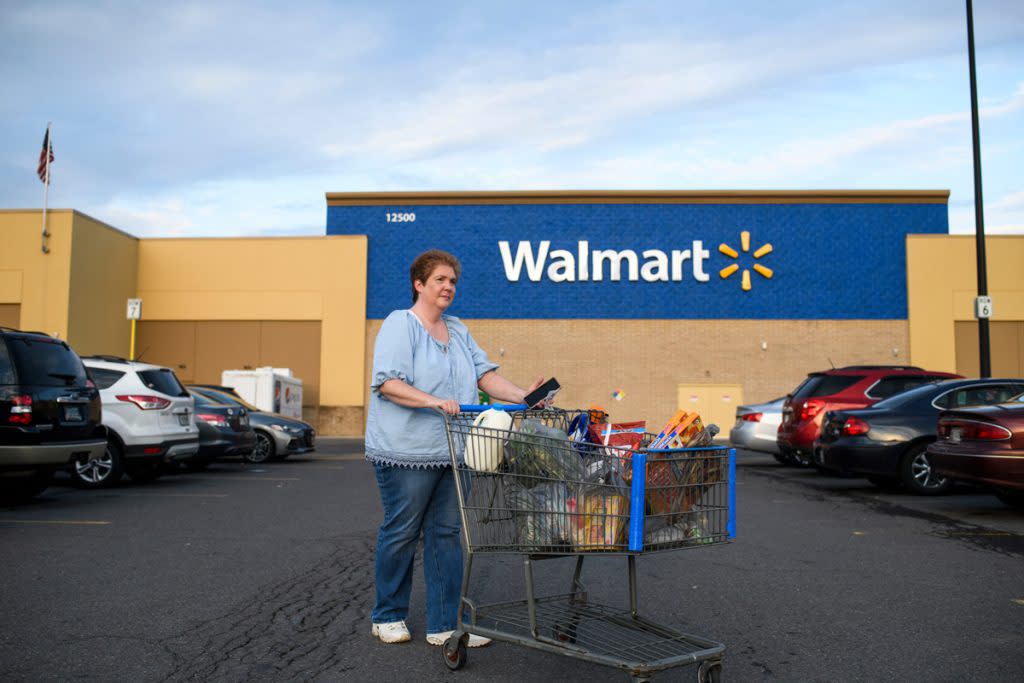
[150,420]
[984,445]
[888,442]
[855,386]
[50,412]
[757,427]
[277,436]
[224,430]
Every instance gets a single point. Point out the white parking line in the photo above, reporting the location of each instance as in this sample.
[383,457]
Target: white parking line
[352,456]
[242,477]
[175,495]
[81,522]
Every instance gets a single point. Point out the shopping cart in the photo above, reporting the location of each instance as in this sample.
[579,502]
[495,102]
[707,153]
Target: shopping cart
[532,491]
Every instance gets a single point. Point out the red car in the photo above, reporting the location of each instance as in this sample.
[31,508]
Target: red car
[984,445]
[855,386]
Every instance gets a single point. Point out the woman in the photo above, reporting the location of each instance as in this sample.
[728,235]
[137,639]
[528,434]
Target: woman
[423,360]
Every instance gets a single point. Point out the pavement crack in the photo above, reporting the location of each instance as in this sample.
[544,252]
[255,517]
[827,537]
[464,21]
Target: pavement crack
[289,630]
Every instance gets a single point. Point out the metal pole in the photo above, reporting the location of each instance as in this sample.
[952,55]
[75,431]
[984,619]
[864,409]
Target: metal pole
[979,216]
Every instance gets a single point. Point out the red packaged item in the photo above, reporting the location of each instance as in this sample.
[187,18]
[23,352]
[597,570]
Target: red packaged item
[626,435]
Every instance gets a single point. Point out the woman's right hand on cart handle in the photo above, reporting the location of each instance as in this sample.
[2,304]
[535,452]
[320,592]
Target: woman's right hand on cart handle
[406,395]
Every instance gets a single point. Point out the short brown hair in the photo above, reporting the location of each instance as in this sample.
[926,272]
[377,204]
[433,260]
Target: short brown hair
[424,265]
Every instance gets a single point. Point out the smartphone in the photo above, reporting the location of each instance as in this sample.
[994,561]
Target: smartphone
[545,392]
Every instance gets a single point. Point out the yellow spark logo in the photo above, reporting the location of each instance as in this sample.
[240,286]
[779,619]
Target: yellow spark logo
[732,253]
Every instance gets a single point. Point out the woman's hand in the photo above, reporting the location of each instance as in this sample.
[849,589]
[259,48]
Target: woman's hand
[543,404]
[448,405]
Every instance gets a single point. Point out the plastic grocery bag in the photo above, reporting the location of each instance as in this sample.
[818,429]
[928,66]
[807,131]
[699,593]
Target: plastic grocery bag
[540,515]
[539,452]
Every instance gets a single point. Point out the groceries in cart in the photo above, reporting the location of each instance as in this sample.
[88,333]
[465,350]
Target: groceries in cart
[565,481]
[484,445]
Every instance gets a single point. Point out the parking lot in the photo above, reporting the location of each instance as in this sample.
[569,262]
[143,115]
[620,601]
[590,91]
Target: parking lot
[248,572]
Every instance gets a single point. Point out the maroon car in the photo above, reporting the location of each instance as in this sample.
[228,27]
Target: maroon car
[984,445]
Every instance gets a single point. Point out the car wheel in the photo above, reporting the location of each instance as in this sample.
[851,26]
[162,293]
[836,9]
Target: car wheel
[95,473]
[917,475]
[141,474]
[264,451]
[1014,499]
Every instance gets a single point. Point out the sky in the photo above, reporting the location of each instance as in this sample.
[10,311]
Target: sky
[235,118]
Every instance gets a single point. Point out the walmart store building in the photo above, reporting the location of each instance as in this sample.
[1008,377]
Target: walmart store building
[642,302]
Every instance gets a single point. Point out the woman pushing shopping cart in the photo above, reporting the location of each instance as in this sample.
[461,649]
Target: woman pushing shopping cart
[526,487]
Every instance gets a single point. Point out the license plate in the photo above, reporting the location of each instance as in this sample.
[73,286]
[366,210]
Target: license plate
[955,434]
[183,419]
[73,414]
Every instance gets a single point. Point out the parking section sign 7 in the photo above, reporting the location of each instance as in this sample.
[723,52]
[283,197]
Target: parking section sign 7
[760,259]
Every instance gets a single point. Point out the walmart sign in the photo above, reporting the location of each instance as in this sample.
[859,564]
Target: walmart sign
[713,261]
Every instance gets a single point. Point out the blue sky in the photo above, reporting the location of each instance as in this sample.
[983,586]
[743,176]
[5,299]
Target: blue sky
[234,118]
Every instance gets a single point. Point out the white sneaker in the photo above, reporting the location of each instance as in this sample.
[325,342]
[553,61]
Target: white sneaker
[440,638]
[393,632]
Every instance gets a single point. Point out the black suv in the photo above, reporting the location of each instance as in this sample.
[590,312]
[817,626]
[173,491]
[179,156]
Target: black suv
[50,412]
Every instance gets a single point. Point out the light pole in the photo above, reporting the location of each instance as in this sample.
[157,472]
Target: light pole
[979,215]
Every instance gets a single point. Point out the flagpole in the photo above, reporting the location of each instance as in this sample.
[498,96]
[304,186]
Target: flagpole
[46,185]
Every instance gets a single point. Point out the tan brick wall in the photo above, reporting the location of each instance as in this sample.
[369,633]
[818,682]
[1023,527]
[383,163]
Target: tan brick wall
[648,359]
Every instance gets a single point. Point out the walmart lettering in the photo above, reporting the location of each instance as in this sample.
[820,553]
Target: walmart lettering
[562,265]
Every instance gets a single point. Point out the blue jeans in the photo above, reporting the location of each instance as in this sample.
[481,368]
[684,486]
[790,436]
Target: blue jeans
[418,501]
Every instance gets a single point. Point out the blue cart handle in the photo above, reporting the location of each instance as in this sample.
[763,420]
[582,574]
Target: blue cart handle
[468,408]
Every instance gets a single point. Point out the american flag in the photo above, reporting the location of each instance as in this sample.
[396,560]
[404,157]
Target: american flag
[45,159]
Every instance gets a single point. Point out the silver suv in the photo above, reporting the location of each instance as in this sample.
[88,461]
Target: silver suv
[150,420]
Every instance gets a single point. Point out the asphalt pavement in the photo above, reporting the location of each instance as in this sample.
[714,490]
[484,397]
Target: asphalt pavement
[264,573]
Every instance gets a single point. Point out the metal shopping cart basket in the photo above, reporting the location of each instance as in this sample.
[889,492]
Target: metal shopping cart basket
[531,490]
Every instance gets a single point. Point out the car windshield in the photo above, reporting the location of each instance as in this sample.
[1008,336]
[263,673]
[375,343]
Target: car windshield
[922,392]
[221,397]
[824,385]
[163,380]
[45,362]
[204,400]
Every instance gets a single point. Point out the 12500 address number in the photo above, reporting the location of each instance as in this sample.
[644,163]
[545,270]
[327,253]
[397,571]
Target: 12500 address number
[400,217]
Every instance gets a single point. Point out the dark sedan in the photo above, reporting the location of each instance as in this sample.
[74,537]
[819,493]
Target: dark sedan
[984,446]
[224,430]
[277,436]
[888,442]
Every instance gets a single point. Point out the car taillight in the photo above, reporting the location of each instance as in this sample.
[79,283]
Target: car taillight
[145,402]
[212,419]
[957,430]
[752,417]
[854,426]
[809,409]
[21,410]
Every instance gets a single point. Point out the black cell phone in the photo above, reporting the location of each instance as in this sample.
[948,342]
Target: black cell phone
[545,392]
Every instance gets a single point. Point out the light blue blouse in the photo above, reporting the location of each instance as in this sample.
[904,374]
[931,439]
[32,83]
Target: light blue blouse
[415,437]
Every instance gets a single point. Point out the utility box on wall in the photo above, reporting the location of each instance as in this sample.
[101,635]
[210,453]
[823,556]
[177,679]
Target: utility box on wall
[716,403]
[271,389]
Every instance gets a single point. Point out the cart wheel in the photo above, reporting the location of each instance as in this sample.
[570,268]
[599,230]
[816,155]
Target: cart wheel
[564,633]
[709,672]
[454,651]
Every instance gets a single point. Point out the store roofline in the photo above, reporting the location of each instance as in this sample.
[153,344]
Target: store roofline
[642,197]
